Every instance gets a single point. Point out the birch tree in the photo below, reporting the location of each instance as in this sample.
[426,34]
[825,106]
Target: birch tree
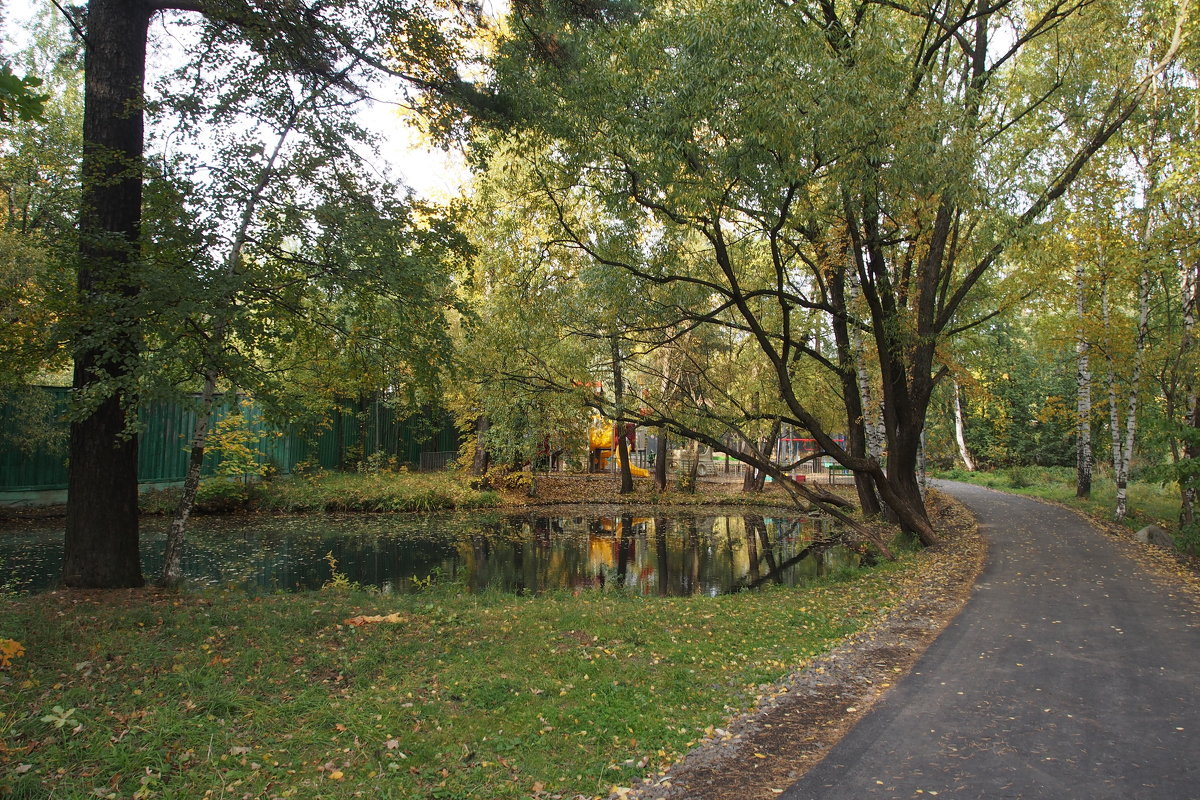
[1083,391]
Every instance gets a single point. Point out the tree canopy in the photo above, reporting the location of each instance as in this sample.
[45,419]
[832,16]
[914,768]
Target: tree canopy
[718,219]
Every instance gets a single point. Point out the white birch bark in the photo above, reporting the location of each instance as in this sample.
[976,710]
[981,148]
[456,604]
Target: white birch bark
[1134,385]
[1083,387]
[1122,446]
[872,413]
[1114,422]
[960,431]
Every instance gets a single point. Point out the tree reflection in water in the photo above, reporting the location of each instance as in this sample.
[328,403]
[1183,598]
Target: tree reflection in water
[571,548]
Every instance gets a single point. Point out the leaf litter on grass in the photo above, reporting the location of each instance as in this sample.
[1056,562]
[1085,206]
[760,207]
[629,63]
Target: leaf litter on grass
[483,696]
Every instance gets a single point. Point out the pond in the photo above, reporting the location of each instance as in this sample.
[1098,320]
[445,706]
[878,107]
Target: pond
[674,552]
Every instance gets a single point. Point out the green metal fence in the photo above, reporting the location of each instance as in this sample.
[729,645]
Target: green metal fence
[165,427]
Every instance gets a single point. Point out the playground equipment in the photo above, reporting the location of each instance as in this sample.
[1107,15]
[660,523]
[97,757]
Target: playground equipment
[681,460]
[602,445]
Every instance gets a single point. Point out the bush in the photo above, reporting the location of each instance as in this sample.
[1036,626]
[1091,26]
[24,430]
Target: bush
[379,491]
[222,496]
[1021,477]
[512,480]
[159,501]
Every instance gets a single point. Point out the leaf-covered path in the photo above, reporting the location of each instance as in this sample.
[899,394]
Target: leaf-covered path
[1071,673]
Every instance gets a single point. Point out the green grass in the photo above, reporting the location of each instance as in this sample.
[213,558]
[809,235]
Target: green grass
[1147,502]
[330,491]
[486,696]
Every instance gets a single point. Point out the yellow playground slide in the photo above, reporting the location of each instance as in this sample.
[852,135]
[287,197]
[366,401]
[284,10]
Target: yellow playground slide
[600,437]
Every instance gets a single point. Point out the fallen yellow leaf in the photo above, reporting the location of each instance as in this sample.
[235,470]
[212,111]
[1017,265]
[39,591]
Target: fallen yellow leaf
[368,620]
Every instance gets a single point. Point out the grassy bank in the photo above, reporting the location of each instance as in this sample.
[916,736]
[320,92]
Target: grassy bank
[1147,502]
[456,696]
[436,491]
[330,491]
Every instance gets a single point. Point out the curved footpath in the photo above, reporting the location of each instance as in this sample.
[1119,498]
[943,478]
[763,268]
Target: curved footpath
[1072,672]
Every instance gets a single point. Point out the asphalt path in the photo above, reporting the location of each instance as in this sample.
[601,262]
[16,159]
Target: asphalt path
[1072,672]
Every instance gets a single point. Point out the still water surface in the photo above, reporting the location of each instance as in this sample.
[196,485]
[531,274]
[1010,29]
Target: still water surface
[672,553]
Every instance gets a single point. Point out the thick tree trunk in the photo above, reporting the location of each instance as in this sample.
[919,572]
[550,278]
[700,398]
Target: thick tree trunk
[482,460]
[760,476]
[1083,390]
[902,488]
[693,467]
[863,429]
[960,431]
[660,460]
[749,477]
[101,547]
[621,446]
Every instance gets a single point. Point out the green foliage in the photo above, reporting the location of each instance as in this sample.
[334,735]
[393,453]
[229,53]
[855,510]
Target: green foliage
[235,439]
[222,495]
[338,582]
[777,182]
[33,421]
[1149,502]
[18,98]
[39,192]
[514,480]
[327,491]
[1020,477]
[378,462]
[383,491]
[60,717]
[1017,397]
[435,578]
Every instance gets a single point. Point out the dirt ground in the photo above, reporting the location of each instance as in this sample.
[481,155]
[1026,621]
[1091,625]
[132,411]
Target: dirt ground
[800,719]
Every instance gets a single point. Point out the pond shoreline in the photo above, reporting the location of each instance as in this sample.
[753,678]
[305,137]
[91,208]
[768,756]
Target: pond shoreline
[549,490]
[290,696]
[662,549]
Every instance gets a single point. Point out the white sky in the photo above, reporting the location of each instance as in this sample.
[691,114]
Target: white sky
[432,173]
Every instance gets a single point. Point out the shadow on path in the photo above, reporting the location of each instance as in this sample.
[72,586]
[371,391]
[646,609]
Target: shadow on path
[1071,673]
